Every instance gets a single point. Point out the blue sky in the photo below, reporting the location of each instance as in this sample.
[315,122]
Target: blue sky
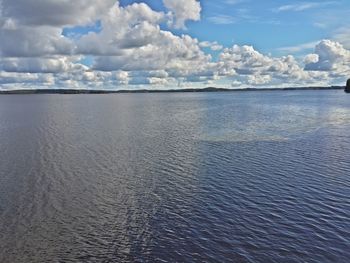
[173,43]
[268,25]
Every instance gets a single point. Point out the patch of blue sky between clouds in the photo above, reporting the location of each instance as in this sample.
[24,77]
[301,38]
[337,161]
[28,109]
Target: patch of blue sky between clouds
[79,31]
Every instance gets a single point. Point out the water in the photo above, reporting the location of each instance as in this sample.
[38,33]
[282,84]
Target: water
[194,177]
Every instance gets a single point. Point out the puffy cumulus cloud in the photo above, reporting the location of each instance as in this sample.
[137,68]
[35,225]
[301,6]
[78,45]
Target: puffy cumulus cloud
[122,77]
[311,58]
[123,28]
[41,65]
[183,10]
[155,77]
[53,12]
[33,42]
[260,69]
[15,80]
[287,69]
[159,74]
[31,33]
[139,44]
[14,77]
[33,28]
[180,55]
[259,79]
[236,83]
[42,48]
[245,60]
[157,81]
[331,57]
[215,46]
[142,80]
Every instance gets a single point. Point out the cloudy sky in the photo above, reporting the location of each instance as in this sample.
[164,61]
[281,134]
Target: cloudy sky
[161,44]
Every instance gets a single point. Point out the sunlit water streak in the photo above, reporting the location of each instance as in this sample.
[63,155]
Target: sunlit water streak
[210,177]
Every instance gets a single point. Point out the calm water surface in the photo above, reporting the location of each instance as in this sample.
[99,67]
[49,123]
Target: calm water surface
[209,177]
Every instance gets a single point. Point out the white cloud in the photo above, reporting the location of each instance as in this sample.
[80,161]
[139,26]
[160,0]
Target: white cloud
[122,77]
[298,48]
[259,79]
[54,13]
[138,26]
[40,65]
[222,19]
[311,58]
[157,81]
[15,77]
[183,10]
[260,69]
[303,6]
[138,44]
[33,42]
[236,83]
[215,46]
[243,59]
[332,57]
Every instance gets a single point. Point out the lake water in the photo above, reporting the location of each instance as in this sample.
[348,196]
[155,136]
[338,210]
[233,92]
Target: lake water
[193,177]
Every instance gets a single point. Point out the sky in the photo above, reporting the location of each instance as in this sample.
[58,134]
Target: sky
[163,44]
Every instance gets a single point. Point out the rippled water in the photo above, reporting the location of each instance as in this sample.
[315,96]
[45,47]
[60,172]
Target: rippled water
[208,177]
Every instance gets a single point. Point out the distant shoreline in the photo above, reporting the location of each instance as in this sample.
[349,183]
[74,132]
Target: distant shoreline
[208,89]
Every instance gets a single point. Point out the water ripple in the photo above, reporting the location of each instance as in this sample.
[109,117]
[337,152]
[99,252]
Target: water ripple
[255,177]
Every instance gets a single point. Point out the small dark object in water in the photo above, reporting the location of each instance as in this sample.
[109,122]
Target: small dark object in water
[347,88]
